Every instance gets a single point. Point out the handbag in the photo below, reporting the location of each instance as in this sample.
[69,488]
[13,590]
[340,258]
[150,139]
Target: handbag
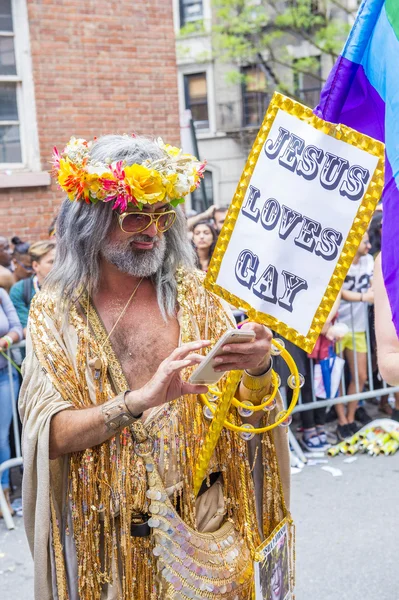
[327,376]
[191,564]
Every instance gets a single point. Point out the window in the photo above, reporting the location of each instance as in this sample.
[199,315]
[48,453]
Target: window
[197,201]
[308,84]
[190,11]
[196,96]
[10,135]
[255,96]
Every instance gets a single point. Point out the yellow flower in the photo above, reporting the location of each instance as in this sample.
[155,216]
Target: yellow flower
[145,184]
[169,183]
[172,150]
[76,182]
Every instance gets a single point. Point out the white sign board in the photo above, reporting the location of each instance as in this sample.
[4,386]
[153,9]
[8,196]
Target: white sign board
[298,212]
[272,576]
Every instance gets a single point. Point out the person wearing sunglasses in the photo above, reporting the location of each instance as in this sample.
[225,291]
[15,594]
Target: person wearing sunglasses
[108,410]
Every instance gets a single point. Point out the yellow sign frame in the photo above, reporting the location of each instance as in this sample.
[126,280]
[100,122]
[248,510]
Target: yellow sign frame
[357,231]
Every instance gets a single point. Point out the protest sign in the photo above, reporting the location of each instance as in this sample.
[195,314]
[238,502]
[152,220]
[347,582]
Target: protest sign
[301,208]
[272,566]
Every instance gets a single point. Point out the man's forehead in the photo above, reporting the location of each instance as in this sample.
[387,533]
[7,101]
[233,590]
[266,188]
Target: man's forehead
[157,207]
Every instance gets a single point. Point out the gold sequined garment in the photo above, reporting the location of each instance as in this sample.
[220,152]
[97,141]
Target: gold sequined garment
[107,484]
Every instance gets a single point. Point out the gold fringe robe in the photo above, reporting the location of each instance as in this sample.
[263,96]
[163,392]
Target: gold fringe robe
[95,492]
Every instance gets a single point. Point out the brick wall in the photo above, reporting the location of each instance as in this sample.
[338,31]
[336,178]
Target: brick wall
[99,66]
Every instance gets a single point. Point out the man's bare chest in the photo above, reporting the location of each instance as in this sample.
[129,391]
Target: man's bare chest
[142,344]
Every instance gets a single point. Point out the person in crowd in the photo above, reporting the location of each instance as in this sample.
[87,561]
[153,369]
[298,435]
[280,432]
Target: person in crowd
[112,425]
[194,219]
[204,241]
[357,294]
[314,436]
[387,337]
[42,255]
[10,333]
[21,260]
[219,217]
[217,214]
[6,277]
[375,230]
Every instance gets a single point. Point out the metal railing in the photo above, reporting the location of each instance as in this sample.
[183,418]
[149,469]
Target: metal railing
[301,406]
[344,398]
[17,461]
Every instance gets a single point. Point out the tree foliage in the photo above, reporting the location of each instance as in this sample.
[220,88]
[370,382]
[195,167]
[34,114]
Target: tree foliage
[267,32]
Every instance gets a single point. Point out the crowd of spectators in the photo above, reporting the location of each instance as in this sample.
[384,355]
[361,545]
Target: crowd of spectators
[348,334]
[349,331]
[23,268]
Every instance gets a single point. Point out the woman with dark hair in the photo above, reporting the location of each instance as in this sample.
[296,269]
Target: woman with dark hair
[204,241]
[21,259]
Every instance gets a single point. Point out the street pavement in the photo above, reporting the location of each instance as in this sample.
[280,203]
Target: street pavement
[346,529]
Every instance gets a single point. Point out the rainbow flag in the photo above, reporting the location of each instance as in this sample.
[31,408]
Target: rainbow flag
[362,92]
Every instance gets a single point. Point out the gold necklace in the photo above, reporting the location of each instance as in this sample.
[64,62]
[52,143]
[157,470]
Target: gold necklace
[96,363]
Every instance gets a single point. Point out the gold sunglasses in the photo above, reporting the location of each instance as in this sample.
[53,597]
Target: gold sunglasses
[136,222]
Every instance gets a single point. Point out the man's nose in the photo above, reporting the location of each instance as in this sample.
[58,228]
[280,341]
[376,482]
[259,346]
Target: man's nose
[152,230]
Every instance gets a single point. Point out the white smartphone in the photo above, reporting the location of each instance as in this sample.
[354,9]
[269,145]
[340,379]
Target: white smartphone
[205,373]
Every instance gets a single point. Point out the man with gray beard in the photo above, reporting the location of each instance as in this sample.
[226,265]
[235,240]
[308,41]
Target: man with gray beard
[112,426]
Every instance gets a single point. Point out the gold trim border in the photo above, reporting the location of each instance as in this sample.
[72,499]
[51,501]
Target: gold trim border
[286,521]
[358,229]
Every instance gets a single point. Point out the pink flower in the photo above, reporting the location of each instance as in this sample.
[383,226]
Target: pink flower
[55,159]
[119,191]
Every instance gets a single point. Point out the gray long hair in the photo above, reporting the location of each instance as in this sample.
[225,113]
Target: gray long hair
[81,229]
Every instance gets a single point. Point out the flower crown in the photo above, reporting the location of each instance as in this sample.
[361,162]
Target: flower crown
[169,178]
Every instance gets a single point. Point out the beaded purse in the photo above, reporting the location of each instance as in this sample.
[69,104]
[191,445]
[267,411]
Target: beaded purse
[190,564]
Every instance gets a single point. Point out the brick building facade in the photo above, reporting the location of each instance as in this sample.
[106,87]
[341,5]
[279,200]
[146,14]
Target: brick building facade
[76,68]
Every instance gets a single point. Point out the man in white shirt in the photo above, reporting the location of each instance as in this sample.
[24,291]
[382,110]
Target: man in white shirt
[357,293]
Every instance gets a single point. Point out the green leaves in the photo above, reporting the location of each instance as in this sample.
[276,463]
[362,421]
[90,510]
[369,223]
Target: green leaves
[279,33]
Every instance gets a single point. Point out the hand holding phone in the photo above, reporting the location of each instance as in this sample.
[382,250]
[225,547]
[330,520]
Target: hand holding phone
[205,373]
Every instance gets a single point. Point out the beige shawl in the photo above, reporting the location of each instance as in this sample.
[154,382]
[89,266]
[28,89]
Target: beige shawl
[39,401]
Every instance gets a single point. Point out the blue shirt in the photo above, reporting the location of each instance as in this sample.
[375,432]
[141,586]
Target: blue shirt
[19,301]
[8,321]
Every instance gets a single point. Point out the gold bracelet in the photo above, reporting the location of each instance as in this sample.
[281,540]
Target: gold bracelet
[257,382]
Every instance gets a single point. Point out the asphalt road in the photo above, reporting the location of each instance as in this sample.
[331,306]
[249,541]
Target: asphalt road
[347,535]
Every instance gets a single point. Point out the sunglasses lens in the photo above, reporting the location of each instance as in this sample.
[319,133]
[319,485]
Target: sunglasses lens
[165,221]
[135,222]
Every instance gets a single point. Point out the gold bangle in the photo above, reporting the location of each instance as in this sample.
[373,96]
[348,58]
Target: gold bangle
[257,382]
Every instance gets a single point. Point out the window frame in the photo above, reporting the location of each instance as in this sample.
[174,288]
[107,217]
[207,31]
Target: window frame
[183,21]
[263,97]
[25,94]
[196,203]
[188,103]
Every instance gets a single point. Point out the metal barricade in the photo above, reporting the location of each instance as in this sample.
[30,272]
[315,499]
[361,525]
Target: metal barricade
[344,398]
[17,461]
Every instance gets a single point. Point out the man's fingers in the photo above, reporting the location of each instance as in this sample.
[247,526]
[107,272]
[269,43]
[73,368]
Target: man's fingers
[249,348]
[178,365]
[185,349]
[229,358]
[260,330]
[190,388]
[230,367]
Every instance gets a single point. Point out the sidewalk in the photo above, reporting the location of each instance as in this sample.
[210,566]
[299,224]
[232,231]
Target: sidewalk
[16,565]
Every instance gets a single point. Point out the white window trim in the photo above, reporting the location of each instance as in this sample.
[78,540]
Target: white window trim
[207,17]
[191,70]
[27,173]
